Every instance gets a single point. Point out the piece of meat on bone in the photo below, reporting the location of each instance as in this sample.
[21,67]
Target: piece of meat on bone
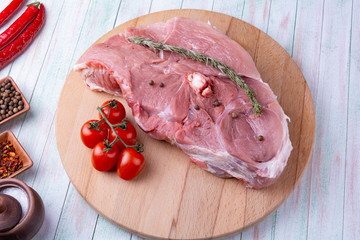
[226,138]
[199,83]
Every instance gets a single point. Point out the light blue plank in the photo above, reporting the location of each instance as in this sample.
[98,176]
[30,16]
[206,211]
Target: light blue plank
[282,22]
[292,216]
[352,191]
[292,219]
[134,237]
[51,182]
[197,4]
[257,13]
[130,9]
[262,230]
[109,231]
[77,218]
[328,167]
[160,5]
[232,8]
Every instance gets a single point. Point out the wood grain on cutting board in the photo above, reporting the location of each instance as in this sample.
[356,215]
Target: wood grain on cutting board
[172,197]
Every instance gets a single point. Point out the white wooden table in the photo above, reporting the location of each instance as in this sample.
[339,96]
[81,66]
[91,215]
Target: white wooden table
[323,37]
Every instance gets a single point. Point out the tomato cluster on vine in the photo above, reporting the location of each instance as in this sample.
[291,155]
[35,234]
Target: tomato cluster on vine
[113,140]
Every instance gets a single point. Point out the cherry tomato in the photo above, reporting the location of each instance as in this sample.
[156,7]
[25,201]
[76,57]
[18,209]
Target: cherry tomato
[130,164]
[104,160]
[90,137]
[128,136]
[116,113]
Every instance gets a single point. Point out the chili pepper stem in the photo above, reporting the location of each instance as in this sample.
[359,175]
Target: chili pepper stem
[36,4]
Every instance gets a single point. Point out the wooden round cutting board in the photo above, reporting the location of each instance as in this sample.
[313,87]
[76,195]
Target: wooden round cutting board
[173,198]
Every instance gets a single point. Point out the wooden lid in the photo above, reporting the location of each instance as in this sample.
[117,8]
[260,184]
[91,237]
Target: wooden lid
[10,212]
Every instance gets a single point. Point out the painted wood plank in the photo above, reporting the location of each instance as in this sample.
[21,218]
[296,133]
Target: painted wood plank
[282,22]
[77,218]
[107,230]
[328,170]
[51,182]
[232,8]
[197,4]
[291,218]
[159,5]
[306,53]
[135,237]
[352,192]
[130,9]
[257,13]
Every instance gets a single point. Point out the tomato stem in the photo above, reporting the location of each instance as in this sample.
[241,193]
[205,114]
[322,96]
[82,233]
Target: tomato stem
[137,147]
[111,104]
[95,124]
[122,125]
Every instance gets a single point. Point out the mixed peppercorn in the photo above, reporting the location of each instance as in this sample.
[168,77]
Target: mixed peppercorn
[10,100]
[10,162]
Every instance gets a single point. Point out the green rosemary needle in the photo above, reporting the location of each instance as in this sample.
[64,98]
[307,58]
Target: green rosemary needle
[147,42]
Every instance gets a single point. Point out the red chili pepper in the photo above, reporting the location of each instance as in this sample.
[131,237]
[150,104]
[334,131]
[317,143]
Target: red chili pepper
[19,25]
[9,10]
[23,41]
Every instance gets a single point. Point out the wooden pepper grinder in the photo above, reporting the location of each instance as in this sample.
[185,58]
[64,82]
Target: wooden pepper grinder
[21,210]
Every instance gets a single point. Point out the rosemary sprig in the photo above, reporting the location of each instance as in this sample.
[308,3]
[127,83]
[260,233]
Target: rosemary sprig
[147,42]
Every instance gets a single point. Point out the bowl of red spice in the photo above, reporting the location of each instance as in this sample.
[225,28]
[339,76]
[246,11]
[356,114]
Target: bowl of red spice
[12,101]
[13,158]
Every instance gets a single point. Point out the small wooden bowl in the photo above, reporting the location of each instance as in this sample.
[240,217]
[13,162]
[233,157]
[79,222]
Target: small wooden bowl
[26,104]
[19,150]
[32,220]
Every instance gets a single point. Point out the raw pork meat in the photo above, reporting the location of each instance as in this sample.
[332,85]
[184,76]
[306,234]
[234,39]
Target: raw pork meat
[198,109]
